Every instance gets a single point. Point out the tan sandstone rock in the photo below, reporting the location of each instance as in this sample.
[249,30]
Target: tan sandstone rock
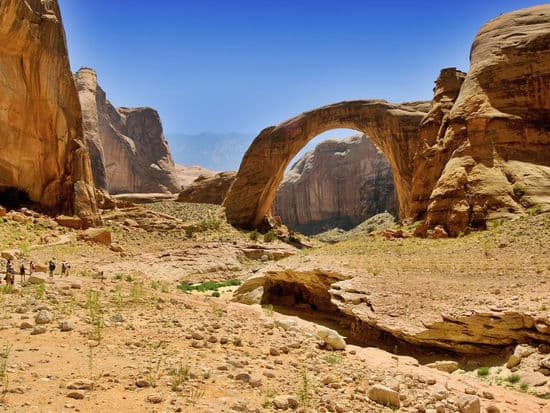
[41,150]
[338,184]
[128,150]
[208,189]
[478,151]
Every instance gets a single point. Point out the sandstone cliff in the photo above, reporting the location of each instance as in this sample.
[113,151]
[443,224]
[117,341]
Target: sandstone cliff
[341,183]
[41,150]
[128,149]
[479,150]
[491,154]
[208,189]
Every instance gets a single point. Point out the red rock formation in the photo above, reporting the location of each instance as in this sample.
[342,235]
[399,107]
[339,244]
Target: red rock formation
[341,183]
[208,189]
[493,150]
[481,152]
[41,149]
[128,149]
[393,128]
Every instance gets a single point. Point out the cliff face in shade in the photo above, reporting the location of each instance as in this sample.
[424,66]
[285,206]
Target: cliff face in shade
[493,148]
[339,184]
[128,149]
[41,147]
[208,189]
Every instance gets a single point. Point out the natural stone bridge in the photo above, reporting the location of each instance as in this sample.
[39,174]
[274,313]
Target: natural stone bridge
[392,127]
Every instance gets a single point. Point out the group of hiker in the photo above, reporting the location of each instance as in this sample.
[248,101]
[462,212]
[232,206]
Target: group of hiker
[10,270]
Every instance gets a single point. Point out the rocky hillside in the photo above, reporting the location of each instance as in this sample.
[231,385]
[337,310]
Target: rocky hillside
[339,184]
[128,149]
[42,155]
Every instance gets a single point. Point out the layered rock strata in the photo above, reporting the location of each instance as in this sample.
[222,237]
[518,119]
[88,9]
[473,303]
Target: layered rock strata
[341,183]
[347,299]
[128,149]
[42,154]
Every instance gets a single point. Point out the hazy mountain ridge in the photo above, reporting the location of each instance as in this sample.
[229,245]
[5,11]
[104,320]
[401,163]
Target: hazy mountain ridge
[212,150]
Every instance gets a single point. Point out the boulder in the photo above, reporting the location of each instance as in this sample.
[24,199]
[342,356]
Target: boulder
[12,254]
[70,221]
[98,235]
[332,338]
[208,189]
[468,403]
[384,395]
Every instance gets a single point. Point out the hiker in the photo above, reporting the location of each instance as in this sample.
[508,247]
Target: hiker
[51,267]
[10,273]
[67,269]
[63,268]
[31,268]
[22,271]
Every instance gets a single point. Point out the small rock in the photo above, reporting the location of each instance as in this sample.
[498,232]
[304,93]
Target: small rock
[66,325]
[284,402]
[155,398]
[332,338]
[43,317]
[80,384]
[492,408]
[444,365]
[468,404]
[384,395]
[38,330]
[76,395]
[25,325]
[141,382]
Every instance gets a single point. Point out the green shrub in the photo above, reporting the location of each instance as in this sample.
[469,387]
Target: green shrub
[519,190]
[270,236]
[216,294]
[483,371]
[254,235]
[208,285]
[513,378]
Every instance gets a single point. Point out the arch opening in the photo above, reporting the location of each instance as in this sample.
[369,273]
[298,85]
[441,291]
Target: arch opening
[337,181]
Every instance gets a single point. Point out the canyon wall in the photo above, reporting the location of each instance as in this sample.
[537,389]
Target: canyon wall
[338,184]
[128,149]
[42,154]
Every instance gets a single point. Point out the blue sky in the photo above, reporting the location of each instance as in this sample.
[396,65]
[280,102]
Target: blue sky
[238,65]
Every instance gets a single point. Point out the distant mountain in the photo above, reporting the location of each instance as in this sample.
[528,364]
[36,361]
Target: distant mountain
[215,151]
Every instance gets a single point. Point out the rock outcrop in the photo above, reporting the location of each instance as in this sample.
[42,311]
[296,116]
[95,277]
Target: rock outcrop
[339,184]
[128,149]
[480,150]
[42,154]
[208,189]
[391,127]
[491,155]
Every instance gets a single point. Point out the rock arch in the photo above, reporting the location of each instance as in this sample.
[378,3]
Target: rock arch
[392,127]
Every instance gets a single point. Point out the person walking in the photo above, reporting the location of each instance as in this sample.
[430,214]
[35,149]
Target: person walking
[51,268]
[31,268]
[22,271]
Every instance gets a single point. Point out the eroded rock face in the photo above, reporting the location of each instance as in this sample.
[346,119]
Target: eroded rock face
[341,183]
[493,146]
[41,148]
[208,189]
[391,127]
[480,150]
[128,149]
